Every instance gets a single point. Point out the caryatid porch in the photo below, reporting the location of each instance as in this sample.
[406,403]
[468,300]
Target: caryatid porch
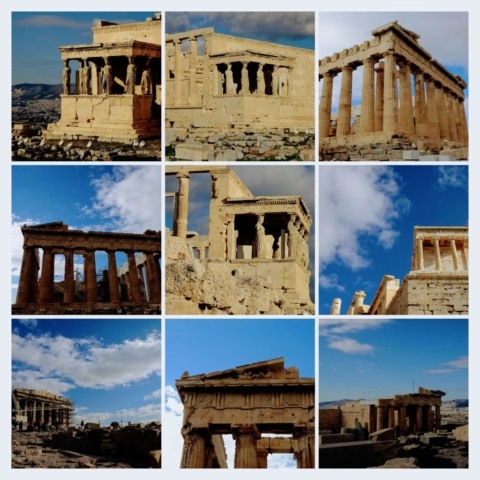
[56,238]
[437,111]
[248,402]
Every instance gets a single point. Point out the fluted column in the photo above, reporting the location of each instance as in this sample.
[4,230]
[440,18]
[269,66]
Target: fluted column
[368,96]
[26,280]
[194,451]
[69,291]
[133,278]
[326,105]
[406,107]
[442,111]
[420,112]
[465,251]
[262,461]
[34,411]
[456,118]
[41,418]
[178,73]
[153,279]
[193,71]
[113,278]
[46,281]
[390,87]
[90,276]
[454,254]
[380,416]
[182,211]
[345,105]
[245,437]
[429,418]
[463,120]
[391,417]
[432,111]
[438,257]
[305,438]
[451,117]
[245,78]
[420,264]
[379,97]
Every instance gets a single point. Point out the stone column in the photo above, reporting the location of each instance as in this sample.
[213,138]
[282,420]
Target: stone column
[406,108]
[262,461]
[452,130]
[183,184]
[402,419]
[391,417]
[438,257]
[305,456]
[345,105]
[113,278]
[420,113]
[90,276]
[245,437]
[201,253]
[438,417]
[274,80]
[178,73]
[153,280]
[229,79]
[193,454]
[380,417]
[419,419]
[34,411]
[26,280]
[429,418]
[41,419]
[46,280]
[390,87]
[379,97]
[231,250]
[465,251]
[432,110]
[420,264]
[463,121]
[133,278]
[368,96]
[456,118]
[260,79]
[442,111]
[245,89]
[326,105]
[454,254]
[69,292]
[193,71]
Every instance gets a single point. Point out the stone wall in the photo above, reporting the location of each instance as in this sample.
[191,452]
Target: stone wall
[329,418]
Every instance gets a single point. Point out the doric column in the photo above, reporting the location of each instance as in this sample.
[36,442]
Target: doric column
[454,253]
[390,87]
[182,219]
[420,113]
[229,79]
[193,454]
[419,419]
[305,437]
[46,281]
[379,97]
[244,78]
[193,71]
[380,416]
[442,111]
[406,108]
[326,105]
[260,79]
[438,417]
[113,278]
[153,279]
[34,411]
[420,264]
[432,110]
[178,73]
[391,417]
[456,118]
[429,418]
[133,277]
[245,437]
[452,130]
[69,291]
[262,461]
[463,121]
[438,257]
[368,96]
[26,279]
[402,419]
[41,419]
[345,105]
[90,276]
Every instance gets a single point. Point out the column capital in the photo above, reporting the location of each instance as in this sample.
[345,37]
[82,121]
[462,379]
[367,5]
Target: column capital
[239,430]
[182,175]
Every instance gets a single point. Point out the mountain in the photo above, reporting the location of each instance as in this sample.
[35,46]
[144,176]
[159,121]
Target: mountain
[36,91]
[334,403]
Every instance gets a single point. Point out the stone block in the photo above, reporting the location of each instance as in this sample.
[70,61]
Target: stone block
[433,439]
[429,158]
[411,155]
[335,438]
[192,151]
[383,435]
[346,455]
[461,433]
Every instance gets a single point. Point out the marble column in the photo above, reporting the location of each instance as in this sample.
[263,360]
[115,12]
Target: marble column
[113,278]
[456,118]
[465,251]
[326,105]
[402,419]
[201,253]
[345,105]
[133,278]
[245,437]
[420,111]
[432,110]
[182,218]
[438,417]
[305,455]
[193,454]
[380,417]
[419,418]
[429,419]
[41,417]
[262,461]
[90,276]
[438,257]
[463,121]
[47,278]
[368,96]
[391,417]
[450,117]
[26,281]
[379,97]
[454,254]
[390,87]
[406,107]
[69,291]
[420,263]
[34,411]
[442,111]
[153,279]
[231,250]
[192,99]
[177,73]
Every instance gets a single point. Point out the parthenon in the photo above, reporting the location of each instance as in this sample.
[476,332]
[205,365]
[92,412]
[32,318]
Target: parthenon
[113,289]
[247,402]
[117,92]
[435,115]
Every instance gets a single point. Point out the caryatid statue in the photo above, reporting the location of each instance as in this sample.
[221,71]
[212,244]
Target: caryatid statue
[81,80]
[87,76]
[107,78]
[66,78]
[260,240]
[145,82]
[292,233]
[131,77]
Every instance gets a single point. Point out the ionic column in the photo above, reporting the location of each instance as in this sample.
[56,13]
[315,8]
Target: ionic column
[368,96]
[379,97]
[229,79]
[438,257]
[345,105]
[406,108]
[305,455]
[245,437]
[69,292]
[420,117]
[452,130]
[133,278]
[178,73]
[390,87]
[438,417]
[326,105]
[391,417]
[113,278]
[46,280]
[153,279]
[25,282]
[454,254]
[442,111]
[90,276]
[244,78]
[432,110]
[182,210]
[193,71]
[419,419]
[260,79]
[402,419]
[380,421]
[420,264]
[463,120]
[201,253]
[193,454]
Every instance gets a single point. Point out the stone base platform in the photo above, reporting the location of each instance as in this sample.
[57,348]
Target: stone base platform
[84,308]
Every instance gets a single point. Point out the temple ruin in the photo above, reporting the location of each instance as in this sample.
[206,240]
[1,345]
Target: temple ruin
[436,285]
[110,291]
[37,407]
[250,239]
[247,402]
[390,119]
[117,92]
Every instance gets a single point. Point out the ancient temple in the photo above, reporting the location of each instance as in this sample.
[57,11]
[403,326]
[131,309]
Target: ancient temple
[247,402]
[117,93]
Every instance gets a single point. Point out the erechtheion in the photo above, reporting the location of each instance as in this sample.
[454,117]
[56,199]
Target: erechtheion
[138,288]
[250,239]
[117,91]
[247,402]
[436,285]
[433,119]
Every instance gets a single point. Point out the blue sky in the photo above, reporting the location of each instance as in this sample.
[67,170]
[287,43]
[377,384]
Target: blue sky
[109,368]
[36,37]
[443,34]
[261,181]
[373,358]
[368,214]
[295,29]
[122,199]
[205,346]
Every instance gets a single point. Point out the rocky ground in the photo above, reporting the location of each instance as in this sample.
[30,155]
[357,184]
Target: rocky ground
[271,145]
[37,147]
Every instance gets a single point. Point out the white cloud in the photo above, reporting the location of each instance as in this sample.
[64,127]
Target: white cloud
[334,326]
[146,413]
[351,346]
[460,362]
[440,371]
[331,281]
[155,394]
[29,322]
[455,177]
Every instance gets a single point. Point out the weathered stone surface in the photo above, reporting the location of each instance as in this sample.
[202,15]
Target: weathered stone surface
[461,433]
[383,435]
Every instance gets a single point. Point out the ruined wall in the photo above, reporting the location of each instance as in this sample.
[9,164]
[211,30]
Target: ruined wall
[355,411]
[148,32]
[329,418]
